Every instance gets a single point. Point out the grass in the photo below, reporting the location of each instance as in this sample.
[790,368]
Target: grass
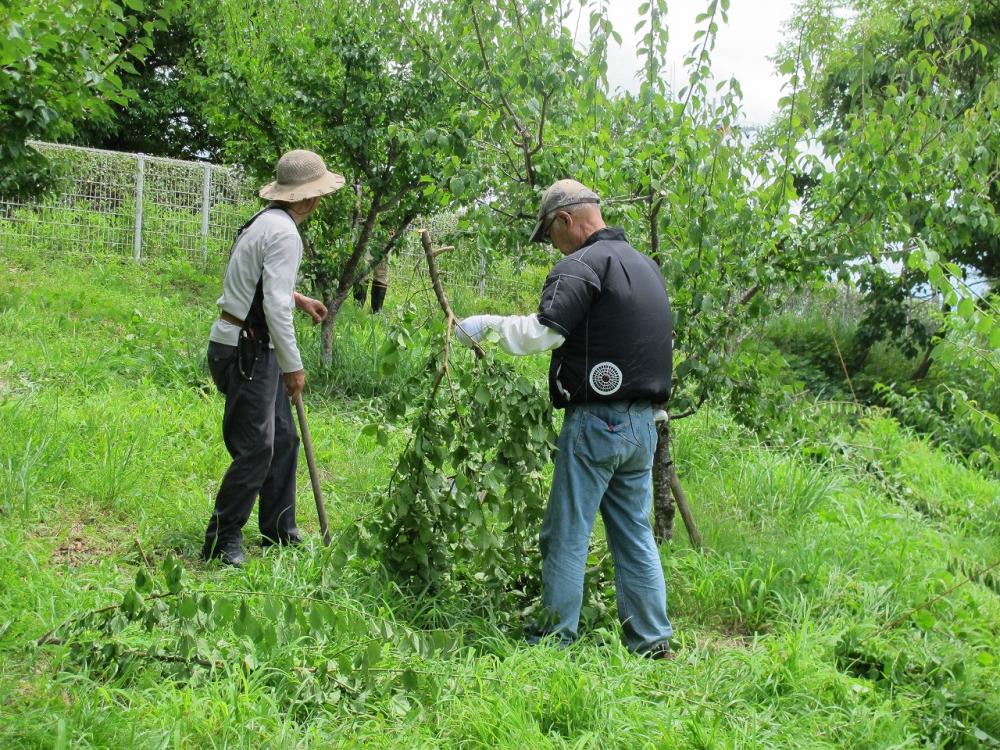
[110,455]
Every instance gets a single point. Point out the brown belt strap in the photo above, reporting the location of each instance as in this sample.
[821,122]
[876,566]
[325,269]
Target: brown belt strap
[230,318]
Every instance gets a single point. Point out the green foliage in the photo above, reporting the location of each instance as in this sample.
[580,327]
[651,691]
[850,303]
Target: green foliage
[165,116]
[344,85]
[61,64]
[467,494]
[287,641]
[950,417]
[904,108]
[970,350]
[955,406]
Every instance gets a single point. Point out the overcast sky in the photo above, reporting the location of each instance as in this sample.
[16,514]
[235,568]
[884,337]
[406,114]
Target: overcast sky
[742,48]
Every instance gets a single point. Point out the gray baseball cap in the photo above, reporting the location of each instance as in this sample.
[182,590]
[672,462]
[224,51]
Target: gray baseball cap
[559,195]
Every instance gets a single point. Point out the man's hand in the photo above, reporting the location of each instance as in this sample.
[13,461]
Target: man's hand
[311,307]
[471,330]
[294,383]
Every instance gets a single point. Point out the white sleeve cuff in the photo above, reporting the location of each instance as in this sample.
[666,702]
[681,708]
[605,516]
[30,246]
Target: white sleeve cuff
[524,334]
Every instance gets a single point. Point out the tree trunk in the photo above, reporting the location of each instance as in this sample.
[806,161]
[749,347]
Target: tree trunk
[925,365]
[663,501]
[335,296]
[329,297]
[326,333]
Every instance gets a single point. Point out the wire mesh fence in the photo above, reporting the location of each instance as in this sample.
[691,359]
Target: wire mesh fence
[141,207]
[476,280]
[129,205]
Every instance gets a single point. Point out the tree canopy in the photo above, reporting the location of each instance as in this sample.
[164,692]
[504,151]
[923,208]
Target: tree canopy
[903,109]
[61,68]
[885,142]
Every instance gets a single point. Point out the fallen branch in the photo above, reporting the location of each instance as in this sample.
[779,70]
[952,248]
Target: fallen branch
[138,546]
[907,615]
[49,639]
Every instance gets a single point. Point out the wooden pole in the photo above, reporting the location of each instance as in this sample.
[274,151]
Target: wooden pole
[324,524]
[682,505]
[667,485]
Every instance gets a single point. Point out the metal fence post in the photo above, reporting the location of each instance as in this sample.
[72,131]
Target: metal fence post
[139,175]
[206,193]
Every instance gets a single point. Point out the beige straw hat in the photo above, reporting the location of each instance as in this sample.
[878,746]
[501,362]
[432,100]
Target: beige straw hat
[301,174]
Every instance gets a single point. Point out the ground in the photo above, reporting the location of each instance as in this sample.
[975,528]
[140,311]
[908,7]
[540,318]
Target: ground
[811,619]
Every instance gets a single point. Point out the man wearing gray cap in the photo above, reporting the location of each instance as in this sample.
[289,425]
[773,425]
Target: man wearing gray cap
[605,316]
[255,361]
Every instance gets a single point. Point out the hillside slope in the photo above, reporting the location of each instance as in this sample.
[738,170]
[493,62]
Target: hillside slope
[794,627]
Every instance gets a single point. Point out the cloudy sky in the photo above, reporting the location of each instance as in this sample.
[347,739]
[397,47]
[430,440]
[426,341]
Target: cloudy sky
[752,35]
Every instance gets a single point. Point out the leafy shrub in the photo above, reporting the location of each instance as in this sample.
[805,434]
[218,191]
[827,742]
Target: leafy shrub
[949,418]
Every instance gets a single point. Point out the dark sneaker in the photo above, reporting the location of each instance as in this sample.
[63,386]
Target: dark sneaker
[660,651]
[229,551]
[292,539]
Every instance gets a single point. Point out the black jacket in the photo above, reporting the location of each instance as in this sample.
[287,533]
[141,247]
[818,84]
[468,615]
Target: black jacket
[610,302]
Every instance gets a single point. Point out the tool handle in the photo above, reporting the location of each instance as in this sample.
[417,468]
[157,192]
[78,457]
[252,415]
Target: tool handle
[324,524]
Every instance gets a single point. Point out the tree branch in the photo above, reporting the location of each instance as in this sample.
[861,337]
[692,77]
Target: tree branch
[489,70]
[541,123]
[432,269]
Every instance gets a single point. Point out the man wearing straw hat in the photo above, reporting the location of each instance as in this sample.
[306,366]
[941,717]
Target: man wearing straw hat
[255,361]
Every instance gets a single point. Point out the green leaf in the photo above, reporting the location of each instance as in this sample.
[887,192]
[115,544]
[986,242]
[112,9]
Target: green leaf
[409,680]
[924,619]
[915,261]
[966,308]
[482,394]
[131,603]
[995,337]
[188,607]
[373,653]
[316,619]
[225,610]
[143,581]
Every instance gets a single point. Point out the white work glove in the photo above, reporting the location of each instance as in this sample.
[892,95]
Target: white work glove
[471,330]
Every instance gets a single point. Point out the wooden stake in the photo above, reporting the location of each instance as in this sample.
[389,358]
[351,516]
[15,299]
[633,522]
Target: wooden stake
[682,505]
[667,484]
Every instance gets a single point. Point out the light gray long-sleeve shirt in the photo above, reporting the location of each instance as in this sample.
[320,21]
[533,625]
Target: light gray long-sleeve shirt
[271,243]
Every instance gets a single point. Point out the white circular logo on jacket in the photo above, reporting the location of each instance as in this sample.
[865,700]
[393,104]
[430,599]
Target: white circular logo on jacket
[605,378]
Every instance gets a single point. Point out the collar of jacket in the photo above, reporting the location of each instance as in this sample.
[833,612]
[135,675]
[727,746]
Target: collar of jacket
[614,234]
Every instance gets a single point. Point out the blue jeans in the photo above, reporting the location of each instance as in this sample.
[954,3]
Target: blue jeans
[604,462]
